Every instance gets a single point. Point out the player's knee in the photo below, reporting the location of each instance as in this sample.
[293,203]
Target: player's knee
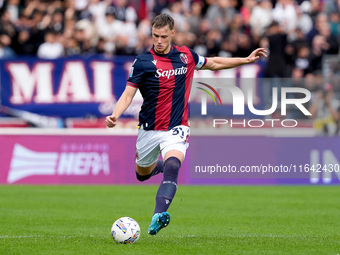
[171,168]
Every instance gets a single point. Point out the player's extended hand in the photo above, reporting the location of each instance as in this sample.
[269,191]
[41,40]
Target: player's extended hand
[256,54]
[111,121]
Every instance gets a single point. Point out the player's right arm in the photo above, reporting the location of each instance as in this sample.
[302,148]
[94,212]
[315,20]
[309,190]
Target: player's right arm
[122,104]
[135,78]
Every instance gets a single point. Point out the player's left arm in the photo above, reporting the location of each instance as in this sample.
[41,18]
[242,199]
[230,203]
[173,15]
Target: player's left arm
[219,63]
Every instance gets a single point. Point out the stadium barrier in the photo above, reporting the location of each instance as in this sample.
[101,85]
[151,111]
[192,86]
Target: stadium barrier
[101,157]
[77,87]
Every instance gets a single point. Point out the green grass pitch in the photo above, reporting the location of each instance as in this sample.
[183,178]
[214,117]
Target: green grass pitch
[204,220]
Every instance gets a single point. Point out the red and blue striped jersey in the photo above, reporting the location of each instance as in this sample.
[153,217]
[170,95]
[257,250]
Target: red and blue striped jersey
[164,81]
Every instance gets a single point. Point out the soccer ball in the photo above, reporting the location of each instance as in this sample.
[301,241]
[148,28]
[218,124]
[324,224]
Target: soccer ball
[125,230]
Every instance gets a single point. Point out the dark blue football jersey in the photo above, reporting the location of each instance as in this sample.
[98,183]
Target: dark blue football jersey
[164,81]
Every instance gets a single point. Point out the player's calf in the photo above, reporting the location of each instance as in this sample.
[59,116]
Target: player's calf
[168,187]
[158,169]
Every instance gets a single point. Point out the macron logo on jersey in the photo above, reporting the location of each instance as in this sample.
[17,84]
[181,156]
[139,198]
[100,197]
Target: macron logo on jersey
[154,62]
[167,73]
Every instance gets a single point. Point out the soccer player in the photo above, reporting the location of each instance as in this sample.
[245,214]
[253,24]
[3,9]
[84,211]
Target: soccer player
[163,76]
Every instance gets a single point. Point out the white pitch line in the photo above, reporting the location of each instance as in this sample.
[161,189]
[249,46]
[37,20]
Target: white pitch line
[251,236]
[186,236]
[40,236]
[18,237]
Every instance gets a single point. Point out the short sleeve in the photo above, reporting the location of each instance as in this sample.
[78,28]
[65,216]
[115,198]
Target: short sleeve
[136,73]
[199,60]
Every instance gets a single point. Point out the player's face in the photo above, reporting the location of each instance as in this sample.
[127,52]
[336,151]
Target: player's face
[162,39]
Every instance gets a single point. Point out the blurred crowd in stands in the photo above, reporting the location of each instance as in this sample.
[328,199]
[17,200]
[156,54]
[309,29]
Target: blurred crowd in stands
[297,33]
